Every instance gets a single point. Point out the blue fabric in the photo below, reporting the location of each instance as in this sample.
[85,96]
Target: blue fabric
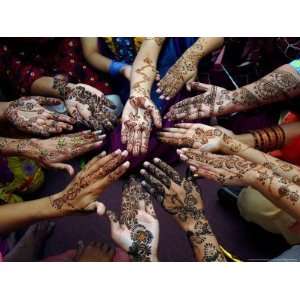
[290,255]
[296,65]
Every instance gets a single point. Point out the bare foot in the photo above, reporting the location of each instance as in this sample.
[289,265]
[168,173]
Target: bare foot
[30,246]
[94,251]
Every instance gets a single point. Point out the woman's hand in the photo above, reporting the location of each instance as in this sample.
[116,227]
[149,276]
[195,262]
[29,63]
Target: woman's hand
[225,169]
[29,115]
[52,152]
[137,119]
[86,104]
[179,196]
[82,193]
[197,136]
[137,231]
[212,101]
[126,72]
[182,72]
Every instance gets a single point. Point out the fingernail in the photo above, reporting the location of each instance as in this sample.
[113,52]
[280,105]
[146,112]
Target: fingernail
[118,151]
[142,171]
[98,132]
[192,168]
[179,151]
[158,90]
[124,153]
[143,183]
[146,163]
[103,153]
[162,97]
[101,136]
[184,149]
[99,143]
[168,98]
[126,164]
[183,157]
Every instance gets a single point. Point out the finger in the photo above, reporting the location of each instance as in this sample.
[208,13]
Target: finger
[99,162]
[62,118]
[99,207]
[145,141]
[38,129]
[79,250]
[169,141]
[189,82]
[175,130]
[124,134]
[155,114]
[60,126]
[130,142]
[61,166]
[114,223]
[200,87]
[153,182]
[81,149]
[167,169]
[48,101]
[184,125]
[158,174]
[171,135]
[94,159]
[115,175]
[107,102]
[137,142]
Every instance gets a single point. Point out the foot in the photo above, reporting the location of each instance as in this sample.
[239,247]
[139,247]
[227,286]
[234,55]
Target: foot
[30,246]
[94,252]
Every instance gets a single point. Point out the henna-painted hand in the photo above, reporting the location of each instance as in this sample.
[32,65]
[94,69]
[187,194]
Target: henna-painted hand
[137,232]
[212,101]
[181,198]
[198,136]
[82,193]
[126,72]
[29,115]
[178,196]
[225,169]
[87,105]
[182,72]
[137,119]
[52,152]
[94,252]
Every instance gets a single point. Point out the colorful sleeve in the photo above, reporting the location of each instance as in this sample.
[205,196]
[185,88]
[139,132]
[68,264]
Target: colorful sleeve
[296,65]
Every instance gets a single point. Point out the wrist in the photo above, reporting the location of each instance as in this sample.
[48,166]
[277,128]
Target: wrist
[48,210]
[246,138]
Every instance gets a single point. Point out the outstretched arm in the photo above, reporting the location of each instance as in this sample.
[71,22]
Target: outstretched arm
[181,198]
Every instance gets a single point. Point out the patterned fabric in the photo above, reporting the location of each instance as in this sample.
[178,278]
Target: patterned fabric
[18,175]
[123,48]
[24,60]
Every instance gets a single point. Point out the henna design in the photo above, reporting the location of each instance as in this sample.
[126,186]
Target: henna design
[158,40]
[141,245]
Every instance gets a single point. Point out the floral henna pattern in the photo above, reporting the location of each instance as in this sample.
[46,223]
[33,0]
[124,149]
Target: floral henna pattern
[141,243]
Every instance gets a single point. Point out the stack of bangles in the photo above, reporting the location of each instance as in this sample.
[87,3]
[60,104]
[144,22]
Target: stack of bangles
[116,67]
[268,139]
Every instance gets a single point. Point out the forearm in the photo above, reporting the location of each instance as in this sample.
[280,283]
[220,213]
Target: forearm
[205,245]
[204,46]
[144,67]
[280,85]
[50,86]
[3,108]
[290,130]
[18,215]
[284,169]
[280,191]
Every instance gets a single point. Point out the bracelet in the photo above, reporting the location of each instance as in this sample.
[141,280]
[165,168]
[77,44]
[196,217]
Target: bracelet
[116,67]
[268,139]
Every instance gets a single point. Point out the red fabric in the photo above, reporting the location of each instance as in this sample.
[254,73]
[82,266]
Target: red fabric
[23,60]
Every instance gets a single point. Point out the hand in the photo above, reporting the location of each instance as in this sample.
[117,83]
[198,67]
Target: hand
[197,136]
[94,252]
[225,169]
[100,172]
[137,232]
[212,101]
[88,105]
[28,115]
[126,72]
[50,153]
[179,196]
[137,122]
[183,71]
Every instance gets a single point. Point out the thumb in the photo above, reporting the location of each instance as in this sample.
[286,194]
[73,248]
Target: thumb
[199,87]
[190,81]
[99,207]
[48,101]
[61,166]
[114,223]
[155,114]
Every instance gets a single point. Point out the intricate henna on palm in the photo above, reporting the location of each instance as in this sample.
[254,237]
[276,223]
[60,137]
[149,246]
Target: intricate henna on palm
[28,115]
